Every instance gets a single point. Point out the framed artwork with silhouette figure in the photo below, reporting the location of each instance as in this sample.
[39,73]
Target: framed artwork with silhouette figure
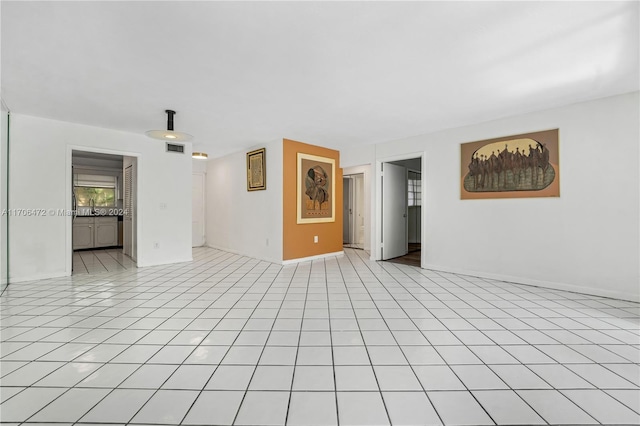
[315,189]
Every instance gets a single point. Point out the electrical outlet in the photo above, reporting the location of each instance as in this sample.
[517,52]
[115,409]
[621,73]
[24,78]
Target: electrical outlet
[315,238]
[267,242]
[156,245]
[163,206]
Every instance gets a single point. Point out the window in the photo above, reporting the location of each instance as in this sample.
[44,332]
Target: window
[415,188]
[102,197]
[95,190]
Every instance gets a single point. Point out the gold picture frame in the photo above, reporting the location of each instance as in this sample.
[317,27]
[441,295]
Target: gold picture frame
[316,189]
[257,170]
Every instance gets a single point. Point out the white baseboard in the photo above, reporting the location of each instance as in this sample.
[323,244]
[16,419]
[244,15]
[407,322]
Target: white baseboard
[171,262]
[278,261]
[228,250]
[553,285]
[45,276]
[306,259]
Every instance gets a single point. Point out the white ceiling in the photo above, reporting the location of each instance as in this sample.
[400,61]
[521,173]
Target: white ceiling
[327,73]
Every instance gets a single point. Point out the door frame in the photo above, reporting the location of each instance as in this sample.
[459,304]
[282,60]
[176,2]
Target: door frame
[347,181]
[68,196]
[368,210]
[376,252]
[358,200]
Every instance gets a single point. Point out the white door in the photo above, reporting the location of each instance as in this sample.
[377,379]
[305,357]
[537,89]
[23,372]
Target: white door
[197,210]
[127,218]
[394,211]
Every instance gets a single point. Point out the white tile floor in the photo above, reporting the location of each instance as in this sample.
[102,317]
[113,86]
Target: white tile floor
[231,340]
[101,260]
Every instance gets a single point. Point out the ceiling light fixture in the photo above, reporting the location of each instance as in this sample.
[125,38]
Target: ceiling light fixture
[169,134]
[200,155]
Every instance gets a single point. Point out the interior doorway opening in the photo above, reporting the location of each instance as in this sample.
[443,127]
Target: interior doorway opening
[104,212]
[402,211]
[353,222]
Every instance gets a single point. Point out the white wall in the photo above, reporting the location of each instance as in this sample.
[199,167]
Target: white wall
[241,221]
[199,166]
[586,240]
[40,178]
[199,203]
[357,156]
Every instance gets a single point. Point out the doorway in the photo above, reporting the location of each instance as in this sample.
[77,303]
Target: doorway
[401,194]
[353,224]
[103,205]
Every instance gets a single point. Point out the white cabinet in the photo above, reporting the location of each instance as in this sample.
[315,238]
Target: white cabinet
[91,232]
[106,232]
[83,232]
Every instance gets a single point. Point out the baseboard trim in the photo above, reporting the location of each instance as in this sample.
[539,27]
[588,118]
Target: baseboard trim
[316,257]
[228,250]
[278,261]
[147,265]
[552,285]
[13,280]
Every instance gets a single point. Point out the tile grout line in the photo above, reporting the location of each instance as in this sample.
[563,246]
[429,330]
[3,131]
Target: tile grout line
[142,294]
[140,366]
[375,375]
[239,333]
[295,362]
[510,388]
[333,359]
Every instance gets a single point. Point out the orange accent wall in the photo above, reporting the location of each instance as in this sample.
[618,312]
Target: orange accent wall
[297,239]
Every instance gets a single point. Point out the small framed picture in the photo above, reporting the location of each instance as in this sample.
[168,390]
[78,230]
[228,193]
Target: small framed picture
[256,170]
